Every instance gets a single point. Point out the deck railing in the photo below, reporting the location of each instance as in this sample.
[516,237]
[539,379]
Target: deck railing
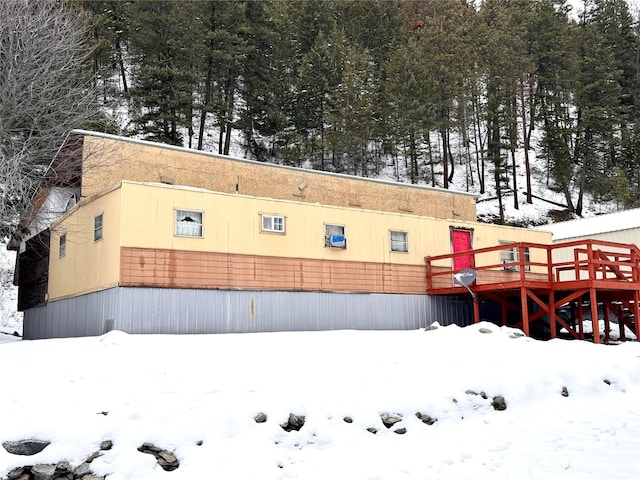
[557,263]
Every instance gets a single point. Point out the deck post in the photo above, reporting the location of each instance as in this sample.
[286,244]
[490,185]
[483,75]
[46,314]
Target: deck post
[595,323]
[607,326]
[476,309]
[636,313]
[525,310]
[552,314]
[621,329]
[580,317]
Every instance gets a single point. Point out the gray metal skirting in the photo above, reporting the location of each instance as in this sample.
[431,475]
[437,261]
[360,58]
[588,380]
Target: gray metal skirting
[183,311]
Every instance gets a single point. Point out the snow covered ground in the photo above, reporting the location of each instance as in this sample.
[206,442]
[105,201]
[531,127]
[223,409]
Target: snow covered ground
[197,397]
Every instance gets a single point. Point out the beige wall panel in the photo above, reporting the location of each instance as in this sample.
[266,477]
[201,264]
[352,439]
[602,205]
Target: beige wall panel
[180,269]
[108,161]
[629,236]
[87,266]
[234,253]
[231,224]
[568,254]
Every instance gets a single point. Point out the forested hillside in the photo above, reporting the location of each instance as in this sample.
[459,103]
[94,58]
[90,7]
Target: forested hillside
[462,94]
[351,85]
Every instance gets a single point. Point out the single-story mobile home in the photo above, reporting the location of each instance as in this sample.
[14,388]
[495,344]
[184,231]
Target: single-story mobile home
[169,240]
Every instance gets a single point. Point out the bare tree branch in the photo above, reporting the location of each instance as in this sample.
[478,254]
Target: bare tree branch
[45,91]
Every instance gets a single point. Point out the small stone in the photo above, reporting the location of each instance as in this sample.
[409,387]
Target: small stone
[427,419]
[24,476]
[167,456]
[19,473]
[199,443]
[25,447]
[400,431]
[347,420]
[499,403]
[93,456]
[106,445]
[82,470]
[565,392]
[167,460]
[43,472]
[260,418]
[62,468]
[93,477]
[295,422]
[485,330]
[372,430]
[390,420]
[608,382]
[149,447]
[103,413]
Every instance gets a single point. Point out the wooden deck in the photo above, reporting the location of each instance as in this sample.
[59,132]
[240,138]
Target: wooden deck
[545,278]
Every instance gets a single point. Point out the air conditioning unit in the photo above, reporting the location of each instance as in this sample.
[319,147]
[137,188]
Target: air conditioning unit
[337,241]
[510,268]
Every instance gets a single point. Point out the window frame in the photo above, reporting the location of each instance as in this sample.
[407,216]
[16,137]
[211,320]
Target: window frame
[186,212]
[512,255]
[328,235]
[404,242]
[98,230]
[273,219]
[62,245]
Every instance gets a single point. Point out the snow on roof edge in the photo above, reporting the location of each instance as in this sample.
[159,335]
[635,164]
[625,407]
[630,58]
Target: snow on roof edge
[611,222]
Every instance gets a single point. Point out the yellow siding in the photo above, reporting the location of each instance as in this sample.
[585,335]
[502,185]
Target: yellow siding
[142,216]
[87,266]
[231,224]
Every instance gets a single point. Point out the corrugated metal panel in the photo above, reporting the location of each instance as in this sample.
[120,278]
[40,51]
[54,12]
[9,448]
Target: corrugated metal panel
[183,311]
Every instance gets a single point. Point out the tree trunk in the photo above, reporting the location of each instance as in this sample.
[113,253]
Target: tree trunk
[450,155]
[123,73]
[477,133]
[221,136]
[445,159]
[513,143]
[526,134]
[412,156]
[207,101]
[433,173]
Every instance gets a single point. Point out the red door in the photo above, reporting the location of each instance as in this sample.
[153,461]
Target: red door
[461,241]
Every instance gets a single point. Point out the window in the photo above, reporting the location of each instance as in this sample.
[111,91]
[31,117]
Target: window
[97,228]
[272,223]
[188,223]
[510,255]
[399,241]
[63,245]
[334,236]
